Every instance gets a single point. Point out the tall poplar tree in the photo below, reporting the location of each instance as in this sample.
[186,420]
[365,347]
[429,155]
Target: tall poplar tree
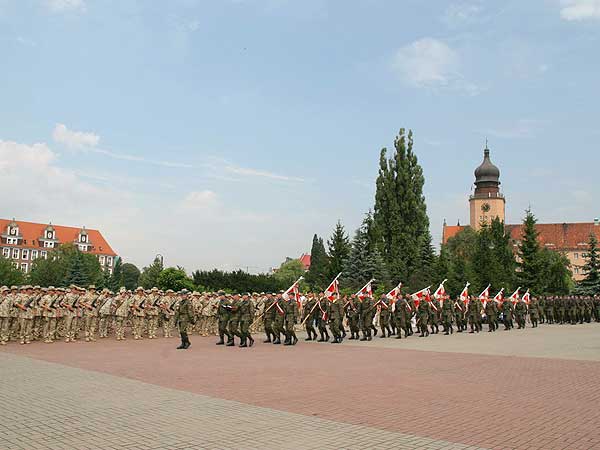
[400,214]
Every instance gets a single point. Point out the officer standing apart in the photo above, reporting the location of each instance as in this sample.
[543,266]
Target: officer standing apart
[183,317]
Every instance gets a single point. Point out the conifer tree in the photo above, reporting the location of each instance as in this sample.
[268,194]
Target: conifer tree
[76,273]
[339,250]
[149,276]
[531,271]
[590,285]
[318,274]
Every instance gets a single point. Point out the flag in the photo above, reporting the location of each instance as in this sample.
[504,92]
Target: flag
[294,292]
[499,297]
[526,297]
[485,295]
[514,298]
[421,295]
[366,291]
[333,291]
[393,296]
[440,294]
[464,295]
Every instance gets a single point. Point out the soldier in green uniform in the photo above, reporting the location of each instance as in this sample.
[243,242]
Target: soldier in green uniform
[459,315]
[549,309]
[234,321]
[223,316]
[473,311]
[268,316]
[447,314]
[403,315]
[246,314]
[309,313]
[434,315]
[520,314]
[352,314]
[322,317]
[560,310]
[541,304]
[336,315]
[384,316]
[507,315]
[184,316]
[423,317]
[367,311]
[491,312]
[278,319]
[291,317]
[534,312]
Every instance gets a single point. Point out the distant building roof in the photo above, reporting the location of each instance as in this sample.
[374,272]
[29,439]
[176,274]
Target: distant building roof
[31,233]
[305,260]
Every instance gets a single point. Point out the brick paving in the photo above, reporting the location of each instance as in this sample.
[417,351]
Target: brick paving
[486,400]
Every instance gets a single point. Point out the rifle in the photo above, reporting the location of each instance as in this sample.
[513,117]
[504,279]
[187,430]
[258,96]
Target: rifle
[317,303]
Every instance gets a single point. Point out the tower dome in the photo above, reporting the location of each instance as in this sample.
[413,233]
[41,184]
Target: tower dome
[487,174]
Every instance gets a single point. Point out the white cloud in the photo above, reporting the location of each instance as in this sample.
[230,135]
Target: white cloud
[260,173]
[66,5]
[459,13]
[199,200]
[74,139]
[576,10]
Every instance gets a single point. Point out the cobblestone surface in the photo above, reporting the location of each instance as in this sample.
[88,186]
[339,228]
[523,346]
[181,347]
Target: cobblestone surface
[49,406]
[486,400]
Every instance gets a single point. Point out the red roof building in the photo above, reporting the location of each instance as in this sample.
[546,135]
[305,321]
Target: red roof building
[569,238]
[305,260]
[24,242]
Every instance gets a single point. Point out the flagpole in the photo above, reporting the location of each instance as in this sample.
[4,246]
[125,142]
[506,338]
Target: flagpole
[361,289]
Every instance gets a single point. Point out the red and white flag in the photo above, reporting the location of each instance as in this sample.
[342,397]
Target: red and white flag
[394,293]
[366,291]
[485,295]
[514,298]
[526,297]
[464,295]
[421,295]
[294,292]
[333,291]
[440,294]
[499,297]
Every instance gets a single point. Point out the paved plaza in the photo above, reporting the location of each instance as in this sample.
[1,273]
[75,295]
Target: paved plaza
[531,389]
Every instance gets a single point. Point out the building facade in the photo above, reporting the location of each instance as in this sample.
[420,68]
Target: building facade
[487,203]
[24,242]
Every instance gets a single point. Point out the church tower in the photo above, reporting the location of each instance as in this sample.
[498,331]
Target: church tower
[487,202]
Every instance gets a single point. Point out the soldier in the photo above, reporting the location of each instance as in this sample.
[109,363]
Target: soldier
[434,315]
[549,310]
[151,312]
[123,304]
[106,312]
[597,308]
[322,317]
[507,311]
[491,312]
[268,316]
[204,314]
[309,311]
[24,301]
[336,314]
[352,314]
[541,305]
[520,314]
[171,302]
[459,315]
[69,313]
[473,310]
[278,318]
[184,316]
[7,298]
[560,310]
[447,314]
[403,314]
[48,304]
[223,315]
[367,311]
[291,317]
[384,316]
[246,314]
[89,302]
[38,319]
[534,312]
[423,314]
[234,320]
[138,305]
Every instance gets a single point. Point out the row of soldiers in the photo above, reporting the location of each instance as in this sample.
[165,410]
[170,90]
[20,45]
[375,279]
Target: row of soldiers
[32,313]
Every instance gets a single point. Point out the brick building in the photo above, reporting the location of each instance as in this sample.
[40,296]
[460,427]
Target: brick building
[24,242]
[487,203]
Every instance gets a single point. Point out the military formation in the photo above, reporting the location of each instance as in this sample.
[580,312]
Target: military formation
[32,313]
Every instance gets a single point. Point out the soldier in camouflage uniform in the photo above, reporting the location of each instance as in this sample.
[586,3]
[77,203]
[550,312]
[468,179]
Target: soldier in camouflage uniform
[367,311]
[70,316]
[534,312]
[520,314]
[447,314]
[223,316]
[336,315]
[353,316]
[434,315]
[323,312]
[184,317]
[246,315]
[423,314]
[123,303]
[234,320]
[89,303]
[24,302]
[106,312]
[491,312]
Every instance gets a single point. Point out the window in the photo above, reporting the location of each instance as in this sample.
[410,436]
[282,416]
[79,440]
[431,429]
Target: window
[83,248]
[48,244]
[576,270]
[575,255]
[25,254]
[83,238]
[101,260]
[24,267]
[44,254]
[15,253]
[6,252]
[14,231]
[109,260]
[49,234]
[34,254]
[12,241]
[110,270]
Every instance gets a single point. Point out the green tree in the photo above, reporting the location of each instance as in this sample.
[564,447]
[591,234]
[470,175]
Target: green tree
[289,272]
[76,272]
[502,252]
[555,273]
[425,273]
[149,276]
[530,268]
[116,278]
[339,249]
[400,214]
[176,279]
[318,274]
[9,274]
[131,276]
[590,285]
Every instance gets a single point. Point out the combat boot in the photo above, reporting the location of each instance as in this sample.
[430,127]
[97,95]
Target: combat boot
[221,342]
[182,345]
[230,342]
[268,339]
[251,341]
[243,343]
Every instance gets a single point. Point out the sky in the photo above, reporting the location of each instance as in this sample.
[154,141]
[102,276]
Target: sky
[226,133]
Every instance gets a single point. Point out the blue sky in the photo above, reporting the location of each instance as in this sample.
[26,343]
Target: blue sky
[225,133]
